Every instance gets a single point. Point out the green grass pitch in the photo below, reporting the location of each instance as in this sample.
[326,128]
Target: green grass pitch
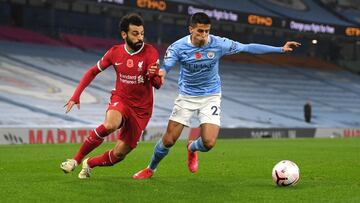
[234,171]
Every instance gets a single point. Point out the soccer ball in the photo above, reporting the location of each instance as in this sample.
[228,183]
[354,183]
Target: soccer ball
[286,173]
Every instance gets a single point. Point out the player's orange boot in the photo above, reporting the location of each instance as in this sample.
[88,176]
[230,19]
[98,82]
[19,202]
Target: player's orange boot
[192,159]
[143,174]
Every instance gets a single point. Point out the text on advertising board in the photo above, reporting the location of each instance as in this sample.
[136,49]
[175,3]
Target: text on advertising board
[152,4]
[352,31]
[260,20]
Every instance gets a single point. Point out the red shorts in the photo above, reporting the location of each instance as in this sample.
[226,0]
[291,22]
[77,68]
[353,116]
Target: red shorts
[132,126]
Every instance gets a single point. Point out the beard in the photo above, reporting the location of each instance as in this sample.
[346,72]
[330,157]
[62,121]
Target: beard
[134,46]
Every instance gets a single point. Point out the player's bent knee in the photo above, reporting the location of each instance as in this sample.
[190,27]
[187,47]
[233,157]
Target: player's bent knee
[111,127]
[168,141]
[209,144]
[119,155]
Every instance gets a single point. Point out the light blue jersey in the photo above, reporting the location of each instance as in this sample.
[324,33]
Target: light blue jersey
[199,66]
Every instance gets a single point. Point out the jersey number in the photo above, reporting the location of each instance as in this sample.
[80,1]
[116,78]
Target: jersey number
[215,109]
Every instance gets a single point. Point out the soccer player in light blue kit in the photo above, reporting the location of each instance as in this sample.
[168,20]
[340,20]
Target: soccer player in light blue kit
[199,87]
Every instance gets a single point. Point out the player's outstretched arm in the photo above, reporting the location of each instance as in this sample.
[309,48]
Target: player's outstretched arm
[84,82]
[288,47]
[68,106]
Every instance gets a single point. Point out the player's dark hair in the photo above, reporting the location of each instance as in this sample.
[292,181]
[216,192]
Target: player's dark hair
[130,19]
[200,17]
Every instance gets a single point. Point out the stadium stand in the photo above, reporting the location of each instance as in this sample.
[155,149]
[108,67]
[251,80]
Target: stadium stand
[5,13]
[88,43]
[309,12]
[24,35]
[348,9]
[53,49]
[282,91]
[44,77]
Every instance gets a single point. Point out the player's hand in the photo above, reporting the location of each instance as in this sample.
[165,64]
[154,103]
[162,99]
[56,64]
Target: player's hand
[153,70]
[162,74]
[288,47]
[70,104]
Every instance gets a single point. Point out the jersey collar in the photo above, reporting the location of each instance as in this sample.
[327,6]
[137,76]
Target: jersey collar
[134,52]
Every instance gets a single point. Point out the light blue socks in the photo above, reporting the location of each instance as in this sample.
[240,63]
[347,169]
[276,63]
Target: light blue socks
[198,145]
[160,151]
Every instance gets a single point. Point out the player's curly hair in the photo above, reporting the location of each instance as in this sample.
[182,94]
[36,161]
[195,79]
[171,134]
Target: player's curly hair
[199,17]
[131,18]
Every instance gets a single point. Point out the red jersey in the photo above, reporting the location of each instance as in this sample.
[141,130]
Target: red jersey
[133,85]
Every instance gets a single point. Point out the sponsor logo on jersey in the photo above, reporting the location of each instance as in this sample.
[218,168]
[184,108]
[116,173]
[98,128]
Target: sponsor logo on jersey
[197,55]
[210,54]
[130,63]
[131,79]
[199,67]
[118,63]
[140,79]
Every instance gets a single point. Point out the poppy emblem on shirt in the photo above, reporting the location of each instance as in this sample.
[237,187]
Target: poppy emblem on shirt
[197,55]
[210,54]
[130,63]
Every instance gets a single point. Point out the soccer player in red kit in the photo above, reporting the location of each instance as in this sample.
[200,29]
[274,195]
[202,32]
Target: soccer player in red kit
[131,102]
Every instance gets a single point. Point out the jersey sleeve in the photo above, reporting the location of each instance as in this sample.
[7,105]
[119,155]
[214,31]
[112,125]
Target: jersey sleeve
[230,47]
[106,60]
[170,58]
[156,82]
[154,60]
[90,74]
[84,82]
[152,57]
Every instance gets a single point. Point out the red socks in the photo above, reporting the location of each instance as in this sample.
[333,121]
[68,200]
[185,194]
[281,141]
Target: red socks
[106,159]
[95,138]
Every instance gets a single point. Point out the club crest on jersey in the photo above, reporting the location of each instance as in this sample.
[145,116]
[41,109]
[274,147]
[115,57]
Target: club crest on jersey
[197,55]
[130,63]
[210,55]
[140,64]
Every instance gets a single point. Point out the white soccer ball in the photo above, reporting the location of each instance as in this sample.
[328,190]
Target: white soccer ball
[286,173]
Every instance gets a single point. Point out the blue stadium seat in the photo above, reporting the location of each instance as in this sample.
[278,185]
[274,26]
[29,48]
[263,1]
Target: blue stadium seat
[312,12]
[254,95]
